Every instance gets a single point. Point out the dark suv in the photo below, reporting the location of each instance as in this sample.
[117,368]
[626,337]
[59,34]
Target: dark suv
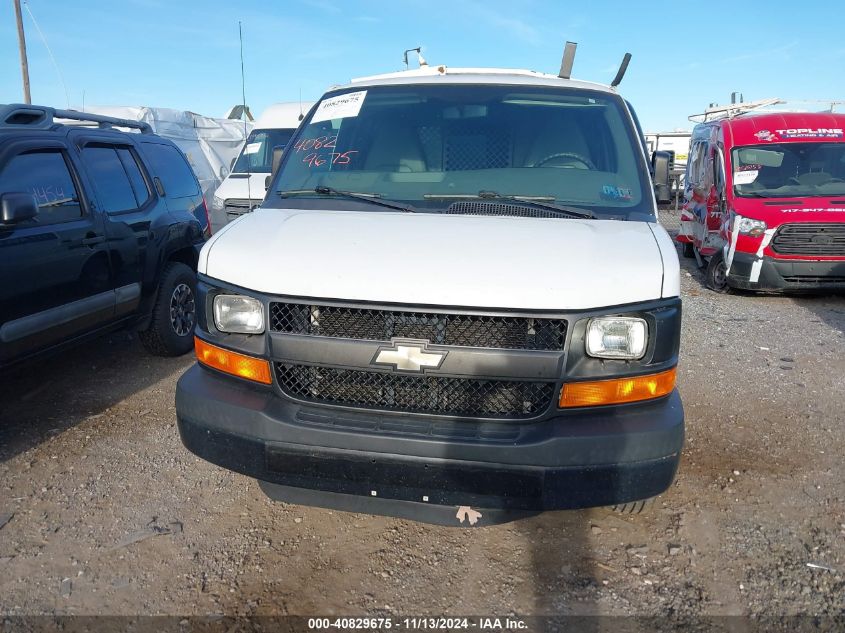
[99,229]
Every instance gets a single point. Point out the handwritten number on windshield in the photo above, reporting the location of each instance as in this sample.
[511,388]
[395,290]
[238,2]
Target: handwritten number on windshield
[321,142]
[337,158]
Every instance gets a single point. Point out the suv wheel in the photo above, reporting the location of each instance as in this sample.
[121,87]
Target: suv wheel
[171,331]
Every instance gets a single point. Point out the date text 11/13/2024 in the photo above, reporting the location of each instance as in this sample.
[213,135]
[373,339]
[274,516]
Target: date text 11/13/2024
[492,623]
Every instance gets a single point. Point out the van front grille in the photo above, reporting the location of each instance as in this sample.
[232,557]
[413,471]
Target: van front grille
[438,395]
[466,330]
[235,207]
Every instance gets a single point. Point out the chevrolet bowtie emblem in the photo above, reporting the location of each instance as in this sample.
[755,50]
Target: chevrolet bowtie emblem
[409,356]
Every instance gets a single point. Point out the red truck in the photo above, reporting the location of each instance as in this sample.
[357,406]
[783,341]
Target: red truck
[764,202]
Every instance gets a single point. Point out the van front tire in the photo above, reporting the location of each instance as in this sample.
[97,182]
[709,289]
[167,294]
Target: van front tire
[716,276]
[174,315]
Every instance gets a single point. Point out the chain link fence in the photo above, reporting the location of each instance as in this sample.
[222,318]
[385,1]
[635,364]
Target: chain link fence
[670,217]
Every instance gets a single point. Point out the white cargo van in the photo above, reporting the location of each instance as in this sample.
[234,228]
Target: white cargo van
[455,305]
[244,187]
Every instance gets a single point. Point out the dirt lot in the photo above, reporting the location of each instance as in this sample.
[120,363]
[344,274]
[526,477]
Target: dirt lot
[111,515]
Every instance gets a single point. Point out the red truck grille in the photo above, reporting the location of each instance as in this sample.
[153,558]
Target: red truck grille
[810,238]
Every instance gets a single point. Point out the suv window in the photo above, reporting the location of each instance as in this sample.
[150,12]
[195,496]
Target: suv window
[172,169]
[133,170]
[110,172]
[44,174]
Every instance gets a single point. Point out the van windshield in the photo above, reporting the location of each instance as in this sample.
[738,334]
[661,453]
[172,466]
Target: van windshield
[788,170]
[429,146]
[257,153]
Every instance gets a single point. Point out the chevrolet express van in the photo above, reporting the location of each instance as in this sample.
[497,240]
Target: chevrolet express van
[454,305]
[244,187]
[765,202]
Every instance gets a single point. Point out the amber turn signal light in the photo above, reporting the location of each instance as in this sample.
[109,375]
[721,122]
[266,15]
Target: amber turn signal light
[255,369]
[617,390]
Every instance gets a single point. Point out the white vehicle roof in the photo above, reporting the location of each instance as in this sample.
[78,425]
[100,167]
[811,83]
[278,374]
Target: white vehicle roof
[445,75]
[283,115]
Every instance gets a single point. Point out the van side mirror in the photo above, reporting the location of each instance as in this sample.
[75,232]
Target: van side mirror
[278,150]
[661,163]
[18,206]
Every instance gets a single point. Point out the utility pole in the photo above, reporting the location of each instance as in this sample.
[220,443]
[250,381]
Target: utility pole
[27,98]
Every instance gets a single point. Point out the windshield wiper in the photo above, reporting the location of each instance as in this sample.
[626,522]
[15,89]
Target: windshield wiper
[534,201]
[372,198]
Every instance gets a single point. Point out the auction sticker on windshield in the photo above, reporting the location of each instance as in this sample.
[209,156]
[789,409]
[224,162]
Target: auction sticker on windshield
[340,107]
[745,177]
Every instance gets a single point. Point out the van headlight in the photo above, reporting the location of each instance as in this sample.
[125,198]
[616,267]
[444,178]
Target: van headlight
[238,314]
[617,337]
[749,226]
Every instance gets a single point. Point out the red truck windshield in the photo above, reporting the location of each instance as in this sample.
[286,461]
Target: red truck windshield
[786,170]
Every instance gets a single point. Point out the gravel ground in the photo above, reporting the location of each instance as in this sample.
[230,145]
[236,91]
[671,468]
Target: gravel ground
[110,514]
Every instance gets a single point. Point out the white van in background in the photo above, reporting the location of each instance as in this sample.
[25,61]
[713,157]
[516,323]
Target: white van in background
[676,142]
[243,189]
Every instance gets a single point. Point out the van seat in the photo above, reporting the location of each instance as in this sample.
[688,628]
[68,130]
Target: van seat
[559,136]
[395,148]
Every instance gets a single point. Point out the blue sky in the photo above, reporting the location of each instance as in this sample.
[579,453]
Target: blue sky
[184,54]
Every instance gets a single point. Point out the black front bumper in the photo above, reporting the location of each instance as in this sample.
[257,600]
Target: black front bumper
[316,455]
[779,275]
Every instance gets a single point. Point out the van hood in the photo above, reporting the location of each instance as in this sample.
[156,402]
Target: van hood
[235,187]
[445,260]
[242,186]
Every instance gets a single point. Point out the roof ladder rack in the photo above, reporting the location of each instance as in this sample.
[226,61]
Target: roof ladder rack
[714,113]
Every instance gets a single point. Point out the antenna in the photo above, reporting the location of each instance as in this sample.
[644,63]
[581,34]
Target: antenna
[411,50]
[567,60]
[243,98]
[47,46]
[621,72]
[301,116]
